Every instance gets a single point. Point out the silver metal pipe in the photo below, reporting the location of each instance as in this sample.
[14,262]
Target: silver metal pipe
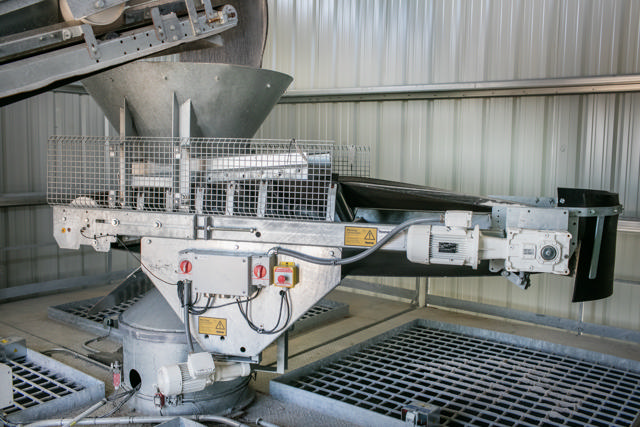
[77,356]
[86,413]
[264,423]
[484,89]
[538,87]
[135,420]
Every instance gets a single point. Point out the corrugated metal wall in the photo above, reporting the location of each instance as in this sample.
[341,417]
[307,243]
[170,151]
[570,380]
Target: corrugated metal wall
[524,146]
[513,145]
[28,252]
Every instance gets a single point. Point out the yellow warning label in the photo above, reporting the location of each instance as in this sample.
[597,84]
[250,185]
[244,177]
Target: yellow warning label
[360,236]
[212,326]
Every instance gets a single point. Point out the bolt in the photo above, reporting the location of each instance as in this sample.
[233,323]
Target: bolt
[174,38]
[115,222]
[172,27]
[157,224]
[592,211]
[99,4]
[561,201]
[148,241]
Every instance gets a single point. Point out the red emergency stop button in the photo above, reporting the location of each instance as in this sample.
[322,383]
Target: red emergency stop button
[282,279]
[259,271]
[185,266]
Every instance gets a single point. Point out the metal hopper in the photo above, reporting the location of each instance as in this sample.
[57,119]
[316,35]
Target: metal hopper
[225,100]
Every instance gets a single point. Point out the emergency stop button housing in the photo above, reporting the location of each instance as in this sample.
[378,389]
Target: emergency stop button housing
[285,275]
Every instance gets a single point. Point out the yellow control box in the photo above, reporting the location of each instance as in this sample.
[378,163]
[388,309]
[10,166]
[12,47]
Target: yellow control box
[285,275]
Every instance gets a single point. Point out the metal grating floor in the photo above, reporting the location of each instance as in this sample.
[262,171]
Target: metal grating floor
[473,380]
[315,311]
[81,309]
[34,385]
[76,313]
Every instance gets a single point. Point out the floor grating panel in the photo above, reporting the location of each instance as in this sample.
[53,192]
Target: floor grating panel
[76,313]
[315,311]
[476,382]
[33,385]
[81,309]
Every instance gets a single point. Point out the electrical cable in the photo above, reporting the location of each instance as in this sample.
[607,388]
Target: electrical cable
[336,261]
[128,250]
[137,420]
[140,261]
[127,396]
[85,344]
[193,309]
[199,311]
[208,307]
[284,299]
[186,304]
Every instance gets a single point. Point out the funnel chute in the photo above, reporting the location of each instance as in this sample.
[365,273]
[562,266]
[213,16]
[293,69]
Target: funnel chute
[227,101]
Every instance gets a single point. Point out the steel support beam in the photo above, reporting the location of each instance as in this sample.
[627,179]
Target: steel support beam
[32,289]
[12,200]
[535,318]
[394,291]
[487,89]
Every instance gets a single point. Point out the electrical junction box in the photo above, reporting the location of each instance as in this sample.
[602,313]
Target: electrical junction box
[419,413]
[217,273]
[6,386]
[285,275]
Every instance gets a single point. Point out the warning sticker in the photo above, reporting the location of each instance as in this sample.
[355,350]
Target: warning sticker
[360,236]
[212,326]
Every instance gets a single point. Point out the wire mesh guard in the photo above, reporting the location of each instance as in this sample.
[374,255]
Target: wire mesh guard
[477,382]
[34,385]
[256,178]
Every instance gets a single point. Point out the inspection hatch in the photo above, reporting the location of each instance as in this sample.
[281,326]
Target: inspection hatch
[473,376]
[44,387]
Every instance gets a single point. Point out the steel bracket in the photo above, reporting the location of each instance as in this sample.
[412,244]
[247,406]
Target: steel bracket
[90,39]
